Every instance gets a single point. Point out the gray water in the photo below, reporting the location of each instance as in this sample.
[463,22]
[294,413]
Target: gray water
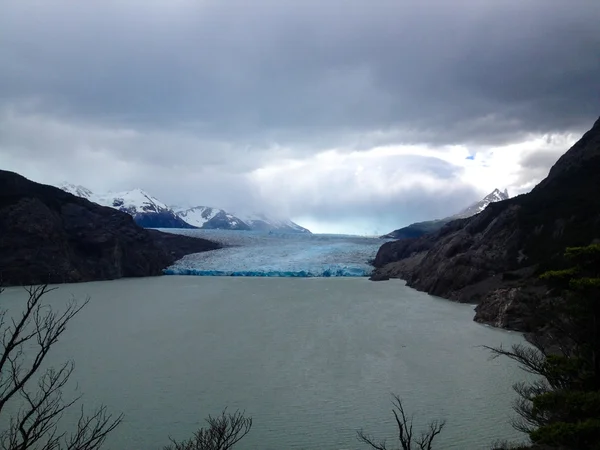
[311,360]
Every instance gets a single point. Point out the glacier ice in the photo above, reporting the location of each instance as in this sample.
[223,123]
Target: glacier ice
[256,254]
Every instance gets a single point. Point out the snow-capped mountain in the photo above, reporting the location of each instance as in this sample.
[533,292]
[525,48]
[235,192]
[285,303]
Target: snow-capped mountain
[150,212]
[265,223]
[495,196]
[212,218]
[207,217]
[77,190]
[147,211]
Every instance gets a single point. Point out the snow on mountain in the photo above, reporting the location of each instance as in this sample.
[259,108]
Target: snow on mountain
[258,221]
[77,190]
[207,217]
[212,218]
[132,202]
[146,210]
[495,196]
[197,215]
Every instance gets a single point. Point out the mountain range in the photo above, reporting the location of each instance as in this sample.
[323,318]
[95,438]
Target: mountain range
[430,226]
[495,258]
[48,235]
[149,212]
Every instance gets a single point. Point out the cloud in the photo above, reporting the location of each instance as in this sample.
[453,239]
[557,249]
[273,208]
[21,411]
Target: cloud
[395,185]
[478,71]
[231,102]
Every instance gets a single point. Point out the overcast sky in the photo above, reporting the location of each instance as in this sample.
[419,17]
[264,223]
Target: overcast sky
[346,115]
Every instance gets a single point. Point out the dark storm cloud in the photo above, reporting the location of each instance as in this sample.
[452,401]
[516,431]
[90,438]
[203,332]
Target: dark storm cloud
[286,71]
[192,99]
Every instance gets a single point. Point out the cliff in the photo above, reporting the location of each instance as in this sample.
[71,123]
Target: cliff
[493,258]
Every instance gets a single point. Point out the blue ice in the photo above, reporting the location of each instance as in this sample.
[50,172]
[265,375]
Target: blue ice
[255,254]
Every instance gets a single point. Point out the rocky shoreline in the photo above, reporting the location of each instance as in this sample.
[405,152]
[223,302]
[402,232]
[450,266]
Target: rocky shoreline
[494,259]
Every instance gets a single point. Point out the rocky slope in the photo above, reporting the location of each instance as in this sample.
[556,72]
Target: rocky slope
[51,236]
[147,211]
[493,258]
[430,226]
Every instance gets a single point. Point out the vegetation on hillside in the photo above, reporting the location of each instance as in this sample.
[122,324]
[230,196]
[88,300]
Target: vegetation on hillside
[561,409]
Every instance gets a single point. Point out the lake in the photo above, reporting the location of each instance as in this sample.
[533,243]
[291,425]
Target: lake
[310,359]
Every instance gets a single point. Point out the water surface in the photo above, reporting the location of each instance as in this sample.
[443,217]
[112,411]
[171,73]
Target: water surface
[311,360]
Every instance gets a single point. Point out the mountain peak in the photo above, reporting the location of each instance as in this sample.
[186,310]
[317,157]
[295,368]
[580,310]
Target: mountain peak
[214,218]
[76,189]
[147,211]
[495,196]
[430,226]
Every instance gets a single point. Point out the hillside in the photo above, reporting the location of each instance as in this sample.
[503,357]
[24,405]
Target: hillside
[430,226]
[51,236]
[493,258]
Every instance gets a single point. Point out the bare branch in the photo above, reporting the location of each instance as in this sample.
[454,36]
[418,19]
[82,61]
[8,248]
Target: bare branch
[37,323]
[426,440]
[370,440]
[25,342]
[92,430]
[404,425]
[222,433]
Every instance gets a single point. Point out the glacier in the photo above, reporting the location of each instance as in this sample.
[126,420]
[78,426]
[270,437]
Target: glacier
[260,254]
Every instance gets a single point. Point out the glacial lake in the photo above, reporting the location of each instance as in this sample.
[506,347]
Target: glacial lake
[310,360]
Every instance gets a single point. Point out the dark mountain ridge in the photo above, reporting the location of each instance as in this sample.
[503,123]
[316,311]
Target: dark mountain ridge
[493,258]
[161,219]
[51,236]
[418,229]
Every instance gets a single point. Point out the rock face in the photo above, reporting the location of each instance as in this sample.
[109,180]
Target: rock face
[493,258]
[431,226]
[50,236]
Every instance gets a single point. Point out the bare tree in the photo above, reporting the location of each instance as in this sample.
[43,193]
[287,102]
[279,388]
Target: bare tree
[222,433]
[26,340]
[406,437]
